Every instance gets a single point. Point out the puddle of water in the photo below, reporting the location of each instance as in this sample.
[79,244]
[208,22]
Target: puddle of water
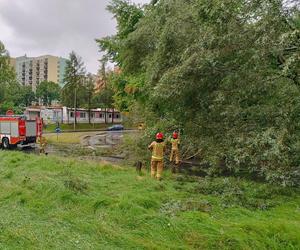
[101,146]
[80,152]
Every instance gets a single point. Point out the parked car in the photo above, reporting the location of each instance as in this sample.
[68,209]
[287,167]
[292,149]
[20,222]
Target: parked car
[116,127]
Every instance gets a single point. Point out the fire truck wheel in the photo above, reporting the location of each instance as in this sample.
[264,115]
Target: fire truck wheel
[5,143]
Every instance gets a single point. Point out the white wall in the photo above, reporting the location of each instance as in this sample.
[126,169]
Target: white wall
[63,116]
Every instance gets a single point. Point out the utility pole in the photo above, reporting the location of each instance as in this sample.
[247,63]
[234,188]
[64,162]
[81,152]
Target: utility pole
[75,102]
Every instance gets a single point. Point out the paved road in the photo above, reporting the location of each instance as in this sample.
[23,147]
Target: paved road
[90,130]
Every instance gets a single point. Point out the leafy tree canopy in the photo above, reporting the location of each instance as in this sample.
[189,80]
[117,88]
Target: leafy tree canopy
[74,81]
[225,72]
[12,94]
[48,92]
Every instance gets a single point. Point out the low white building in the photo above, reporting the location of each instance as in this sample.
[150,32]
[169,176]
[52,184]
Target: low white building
[66,115]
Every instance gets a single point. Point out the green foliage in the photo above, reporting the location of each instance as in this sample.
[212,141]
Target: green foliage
[126,90]
[8,105]
[104,98]
[6,72]
[226,73]
[7,76]
[27,96]
[89,93]
[48,92]
[12,94]
[127,16]
[59,203]
[126,87]
[19,95]
[89,85]
[74,89]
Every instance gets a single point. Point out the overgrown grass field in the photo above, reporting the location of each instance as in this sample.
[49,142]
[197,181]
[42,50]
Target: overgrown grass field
[65,138]
[54,203]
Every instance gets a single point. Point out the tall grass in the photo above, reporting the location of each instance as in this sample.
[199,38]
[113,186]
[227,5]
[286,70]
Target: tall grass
[56,203]
[65,138]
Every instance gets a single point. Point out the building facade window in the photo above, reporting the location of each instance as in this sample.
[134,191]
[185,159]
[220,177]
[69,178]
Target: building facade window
[55,114]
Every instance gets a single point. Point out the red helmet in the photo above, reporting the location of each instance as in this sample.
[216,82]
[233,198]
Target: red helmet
[159,136]
[175,135]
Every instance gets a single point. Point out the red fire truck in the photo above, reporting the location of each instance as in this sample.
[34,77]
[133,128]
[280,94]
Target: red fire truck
[16,130]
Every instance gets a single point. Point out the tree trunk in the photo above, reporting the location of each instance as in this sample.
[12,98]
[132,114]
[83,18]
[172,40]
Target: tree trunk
[89,115]
[89,104]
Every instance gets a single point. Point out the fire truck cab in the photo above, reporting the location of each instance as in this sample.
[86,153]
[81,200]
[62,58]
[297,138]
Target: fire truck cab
[16,130]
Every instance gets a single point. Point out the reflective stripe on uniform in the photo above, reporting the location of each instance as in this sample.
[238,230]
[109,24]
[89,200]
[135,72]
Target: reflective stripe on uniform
[158,151]
[157,158]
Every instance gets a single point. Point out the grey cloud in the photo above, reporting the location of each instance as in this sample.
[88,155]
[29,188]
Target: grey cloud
[56,27]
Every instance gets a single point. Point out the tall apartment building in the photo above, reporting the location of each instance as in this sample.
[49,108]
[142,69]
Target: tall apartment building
[31,71]
[13,62]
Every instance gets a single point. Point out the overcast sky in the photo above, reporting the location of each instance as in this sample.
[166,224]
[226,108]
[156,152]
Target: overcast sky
[56,27]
